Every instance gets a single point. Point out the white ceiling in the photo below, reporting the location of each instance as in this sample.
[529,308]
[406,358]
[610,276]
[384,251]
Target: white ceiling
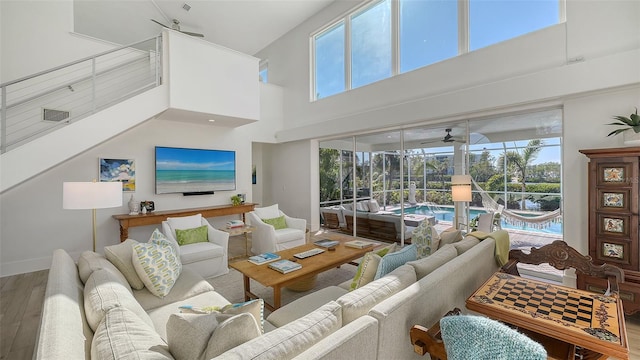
[247,26]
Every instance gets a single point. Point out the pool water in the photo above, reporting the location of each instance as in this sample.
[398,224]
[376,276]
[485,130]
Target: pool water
[446,214]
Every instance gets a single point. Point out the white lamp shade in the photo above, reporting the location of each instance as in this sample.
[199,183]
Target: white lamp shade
[461,187]
[91,195]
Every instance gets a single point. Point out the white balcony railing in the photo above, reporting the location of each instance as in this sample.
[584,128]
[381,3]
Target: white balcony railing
[38,104]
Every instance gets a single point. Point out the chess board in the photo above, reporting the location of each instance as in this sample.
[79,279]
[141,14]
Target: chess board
[574,310]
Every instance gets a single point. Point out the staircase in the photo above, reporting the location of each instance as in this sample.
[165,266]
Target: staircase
[40,124]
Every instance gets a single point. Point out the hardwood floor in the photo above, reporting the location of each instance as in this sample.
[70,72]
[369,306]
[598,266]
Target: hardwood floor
[21,298]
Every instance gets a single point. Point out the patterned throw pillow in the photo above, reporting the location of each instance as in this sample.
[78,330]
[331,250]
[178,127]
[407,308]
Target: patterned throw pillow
[192,236]
[369,265]
[253,307]
[394,260]
[157,265]
[278,223]
[426,239]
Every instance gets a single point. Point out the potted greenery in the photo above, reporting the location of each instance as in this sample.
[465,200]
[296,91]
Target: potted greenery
[236,200]
[629,123]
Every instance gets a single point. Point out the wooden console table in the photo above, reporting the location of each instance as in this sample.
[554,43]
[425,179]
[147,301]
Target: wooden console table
[157,217]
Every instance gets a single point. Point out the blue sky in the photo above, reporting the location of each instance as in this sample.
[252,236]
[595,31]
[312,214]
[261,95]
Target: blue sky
[428,34]
[194,159]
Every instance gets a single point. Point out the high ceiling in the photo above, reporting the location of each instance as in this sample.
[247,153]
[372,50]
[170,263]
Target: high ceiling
[247,26]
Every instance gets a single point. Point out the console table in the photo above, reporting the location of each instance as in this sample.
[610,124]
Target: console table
[157,217]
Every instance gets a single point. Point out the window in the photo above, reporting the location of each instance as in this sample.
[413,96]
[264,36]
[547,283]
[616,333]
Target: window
[329,62]
[493,21]
[428,32]
[371,44]
[264,71]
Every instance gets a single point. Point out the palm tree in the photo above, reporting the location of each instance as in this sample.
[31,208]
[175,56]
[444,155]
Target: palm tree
[519,162]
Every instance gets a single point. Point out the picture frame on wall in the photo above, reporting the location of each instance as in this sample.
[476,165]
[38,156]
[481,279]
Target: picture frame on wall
[122,170]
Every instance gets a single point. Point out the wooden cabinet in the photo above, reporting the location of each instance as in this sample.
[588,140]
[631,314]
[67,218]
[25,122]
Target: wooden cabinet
[613,218]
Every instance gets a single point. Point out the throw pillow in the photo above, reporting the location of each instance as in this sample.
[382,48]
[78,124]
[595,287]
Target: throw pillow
[362,206]
[477,337]
[253,307]
[449,236]
[426,239]
[394,260]
[368,266]
[192,236]
[277,223]
[157,265]
[268,212]
[196,336]
[374,207]
[90,261]
[121,256]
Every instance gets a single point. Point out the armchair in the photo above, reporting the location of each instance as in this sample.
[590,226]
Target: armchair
[270,238]
[208,258]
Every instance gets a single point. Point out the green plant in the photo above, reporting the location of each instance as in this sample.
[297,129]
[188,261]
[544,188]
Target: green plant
[236,200]
[631,122]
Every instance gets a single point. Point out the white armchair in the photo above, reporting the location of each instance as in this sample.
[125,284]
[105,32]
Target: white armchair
[266,238]
[209,258]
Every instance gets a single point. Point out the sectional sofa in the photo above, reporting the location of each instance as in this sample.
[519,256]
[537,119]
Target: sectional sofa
[90,311]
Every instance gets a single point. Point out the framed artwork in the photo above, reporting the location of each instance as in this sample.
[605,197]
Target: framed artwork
[613,199]
[613,174]
[613,225]
[122,170]
[254,179]
[613,250]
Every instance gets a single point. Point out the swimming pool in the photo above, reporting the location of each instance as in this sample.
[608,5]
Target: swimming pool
[446,214]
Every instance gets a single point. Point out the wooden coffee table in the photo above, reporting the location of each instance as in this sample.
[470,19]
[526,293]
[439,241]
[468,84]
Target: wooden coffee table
[311,266]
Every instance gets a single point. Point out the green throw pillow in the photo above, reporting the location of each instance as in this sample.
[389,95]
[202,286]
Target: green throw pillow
[278,223]
[192,236]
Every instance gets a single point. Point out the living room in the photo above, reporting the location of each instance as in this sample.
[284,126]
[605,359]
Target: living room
[587,66]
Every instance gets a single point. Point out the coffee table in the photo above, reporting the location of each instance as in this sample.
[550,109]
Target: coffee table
[311,266]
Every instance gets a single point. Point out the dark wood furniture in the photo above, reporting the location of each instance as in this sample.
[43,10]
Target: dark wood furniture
[157,217]
[614,175]
[331,220]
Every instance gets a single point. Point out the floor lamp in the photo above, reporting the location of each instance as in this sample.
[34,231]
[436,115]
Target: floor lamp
[91,195]
[460,192]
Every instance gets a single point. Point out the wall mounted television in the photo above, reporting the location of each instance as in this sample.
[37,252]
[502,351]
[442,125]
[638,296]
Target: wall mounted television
[194,171]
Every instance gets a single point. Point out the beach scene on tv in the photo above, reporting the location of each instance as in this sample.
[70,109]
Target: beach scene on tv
[180,170]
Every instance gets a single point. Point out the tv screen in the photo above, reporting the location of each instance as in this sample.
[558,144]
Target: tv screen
[181,170]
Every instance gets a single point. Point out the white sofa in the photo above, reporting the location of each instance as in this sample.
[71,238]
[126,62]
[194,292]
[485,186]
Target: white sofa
[370,322]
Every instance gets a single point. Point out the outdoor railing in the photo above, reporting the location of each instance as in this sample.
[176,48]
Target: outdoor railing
[37,104]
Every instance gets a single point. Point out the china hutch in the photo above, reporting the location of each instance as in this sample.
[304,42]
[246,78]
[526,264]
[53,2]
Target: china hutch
[613,219]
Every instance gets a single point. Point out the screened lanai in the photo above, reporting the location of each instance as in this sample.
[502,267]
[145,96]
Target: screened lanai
[514,161]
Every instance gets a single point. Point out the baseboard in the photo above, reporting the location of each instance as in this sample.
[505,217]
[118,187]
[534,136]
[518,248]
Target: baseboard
[30,265]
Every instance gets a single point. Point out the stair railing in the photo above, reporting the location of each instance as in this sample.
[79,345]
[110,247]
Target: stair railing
[34,105]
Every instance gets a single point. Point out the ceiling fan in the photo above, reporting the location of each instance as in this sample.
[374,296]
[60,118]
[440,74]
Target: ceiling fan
[448,138]
[175,25]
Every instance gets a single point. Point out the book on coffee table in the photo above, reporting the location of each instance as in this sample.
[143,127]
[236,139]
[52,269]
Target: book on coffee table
[359,244]
[285,266]
[263,258]
[326,243]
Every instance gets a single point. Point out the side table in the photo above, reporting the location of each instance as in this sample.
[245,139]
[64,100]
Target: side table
[237,231]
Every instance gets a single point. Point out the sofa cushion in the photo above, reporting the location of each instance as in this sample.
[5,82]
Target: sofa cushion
[200,251]
[185,222]
[277,222]
[102,292]
[157,265]
[194,235]
[293,338]
[368,267]
[362,206]
[204,336]
[160,315]
[450,236]
[90,261]
[304,305]
[374,207]
[123,335]
[121,255]
[466,244]
[358,302]
[288,234]
[253,307]
[268,212]
[425,266]
[188,284]
[392,261]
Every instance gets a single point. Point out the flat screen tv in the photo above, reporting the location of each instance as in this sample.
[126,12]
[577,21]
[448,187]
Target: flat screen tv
[194,171]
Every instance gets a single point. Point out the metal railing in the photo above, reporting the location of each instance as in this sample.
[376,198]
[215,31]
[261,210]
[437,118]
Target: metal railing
[40,103]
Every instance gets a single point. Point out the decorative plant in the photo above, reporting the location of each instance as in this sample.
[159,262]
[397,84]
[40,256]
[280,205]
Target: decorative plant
[236,200]
[631,122]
